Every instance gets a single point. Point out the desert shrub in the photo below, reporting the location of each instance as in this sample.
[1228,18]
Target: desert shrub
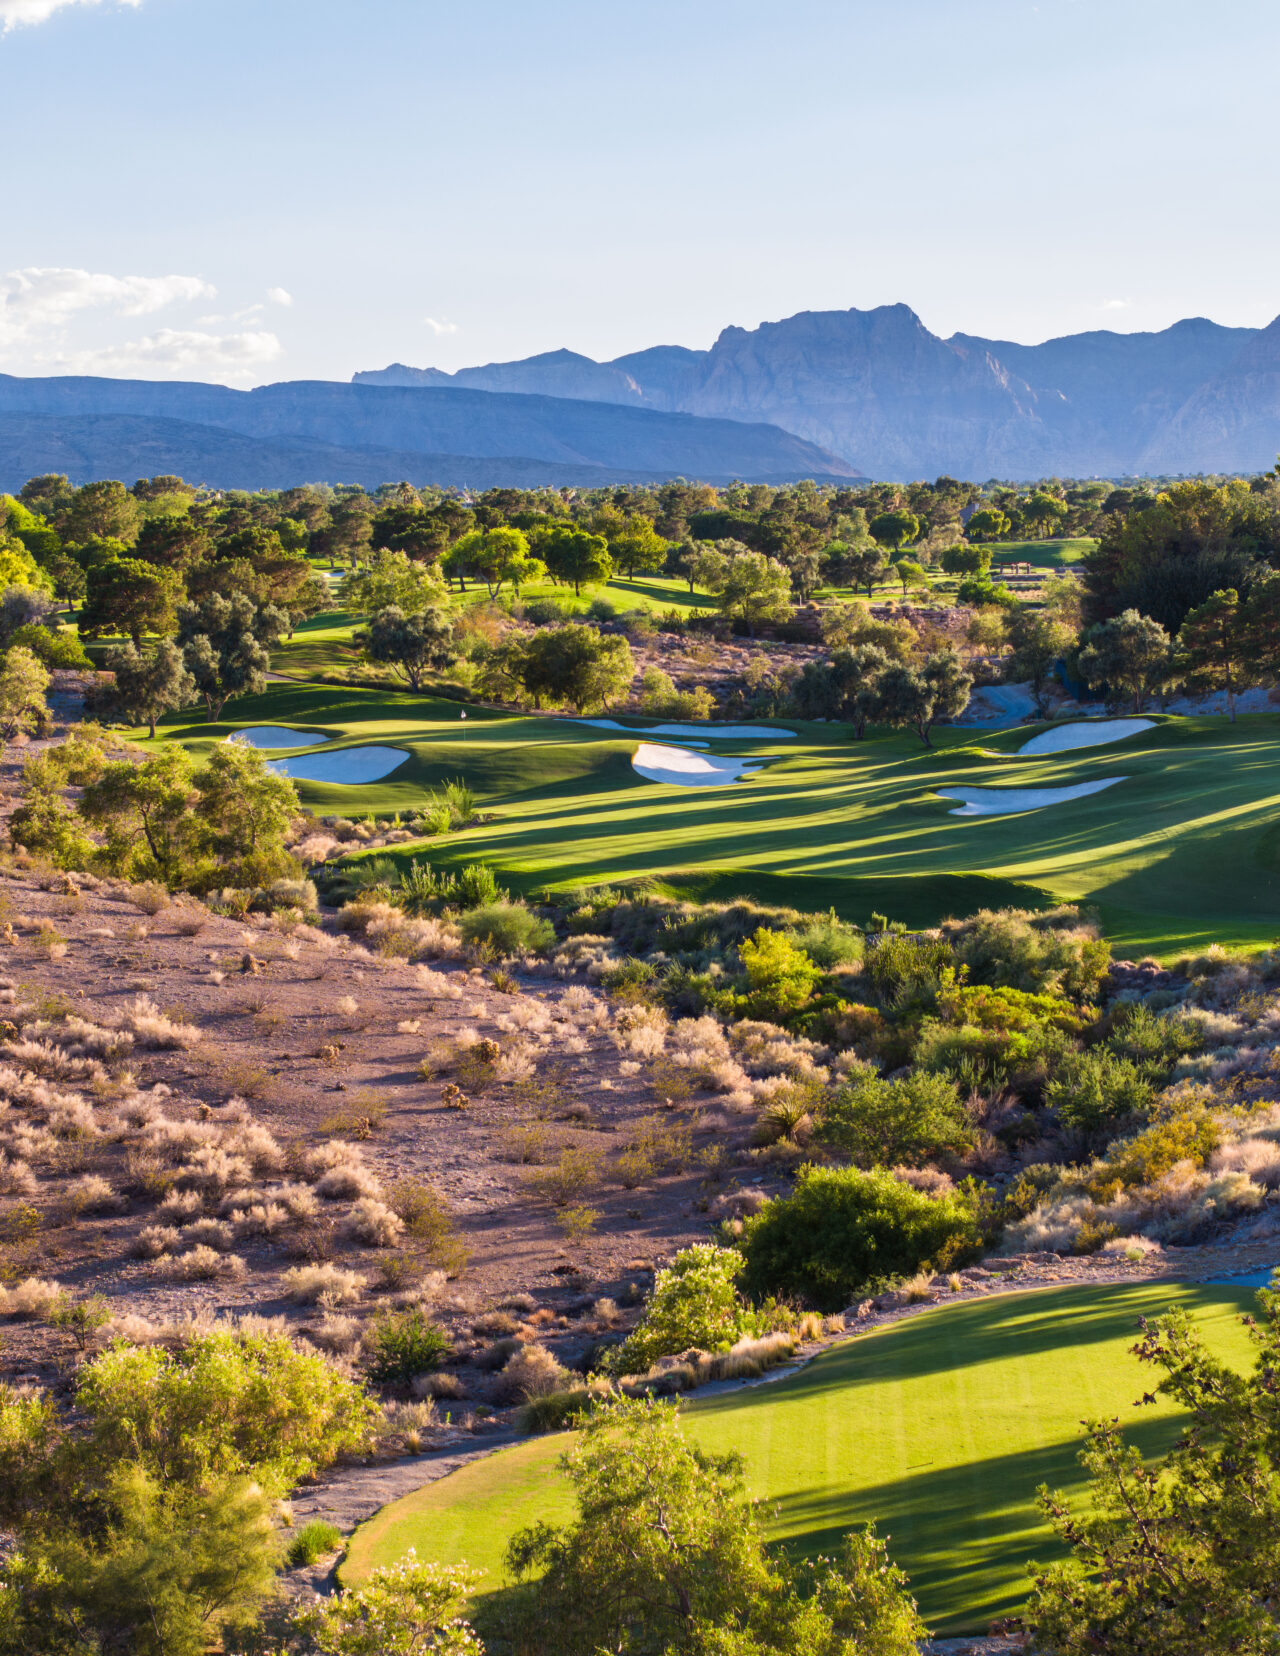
[313,1541]
[901,1123]
[509,928]
[403,1344]
[374,1223]
[906,971]
[830,942]
[845,1232]
[427,1219]
[403,1607]
[1151,1041]
[531,1371]
[575,1172]
[1098,1092]
[1055,951]
[33,1297]
[1157,1150]
[780,975]
[694,1303]
[309,1284]
[545,612]
[555,1410]
[204,1264]
[223,1403]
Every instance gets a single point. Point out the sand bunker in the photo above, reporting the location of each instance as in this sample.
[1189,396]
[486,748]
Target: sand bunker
[350,765]
[1002,801]
[688,770]
[726,733]
[1060,738]
[277,736]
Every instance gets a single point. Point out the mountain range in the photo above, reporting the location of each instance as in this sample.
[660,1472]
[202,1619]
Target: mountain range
[896,401]
[326,431]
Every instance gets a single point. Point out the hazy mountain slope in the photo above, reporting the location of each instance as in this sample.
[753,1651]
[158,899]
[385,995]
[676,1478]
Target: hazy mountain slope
[880,389]
[90,446]
[434,421]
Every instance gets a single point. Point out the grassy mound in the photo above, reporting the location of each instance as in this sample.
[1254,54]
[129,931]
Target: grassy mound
[940,1428]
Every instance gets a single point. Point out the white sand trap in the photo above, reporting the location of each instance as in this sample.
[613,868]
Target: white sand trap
[1059,738]
[726,733]
[688,770]
[350,765]
[1003,801]
[277,736]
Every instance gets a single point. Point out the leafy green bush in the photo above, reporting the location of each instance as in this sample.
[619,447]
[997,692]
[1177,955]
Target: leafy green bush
[1097,1092]
[402,1344]
[313,1541]
[1151,1041]
[545,612]
[900,1123]
[830,942]
[907,971]
[1056,951]
[695,1302]
[510,927]
[780,974]
[844,1233]
[477,886]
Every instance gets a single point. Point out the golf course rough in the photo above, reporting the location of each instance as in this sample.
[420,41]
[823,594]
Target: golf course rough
[1185,854]
[940,1428]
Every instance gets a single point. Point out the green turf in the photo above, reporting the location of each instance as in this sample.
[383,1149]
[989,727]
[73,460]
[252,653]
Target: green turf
[940,1429]
[1184,851]
[1045,554]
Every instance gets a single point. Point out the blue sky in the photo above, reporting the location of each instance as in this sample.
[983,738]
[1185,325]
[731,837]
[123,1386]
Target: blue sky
[249,190]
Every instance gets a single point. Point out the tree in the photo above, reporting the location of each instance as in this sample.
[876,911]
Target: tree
[967,560]
[226,645]
[407,529]
[576,665]
[919,696]
[1038,643]
[495,556]
[247,809]
[571,554]
[1045,511]
[910,573]
[23,682]
[988,523]
[151,684]
[1215,642]
[409,1608]
[894,530]
[1130,653]
[638,547]
[748,584]
[410,645]
[98,510]
[694,1302]
[864,565]
[1176,1555]
[144,812]
[125,595]
[390,578]
[666,1556]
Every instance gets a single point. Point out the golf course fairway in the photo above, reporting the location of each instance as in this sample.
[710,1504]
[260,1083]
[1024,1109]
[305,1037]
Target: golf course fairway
[1182,851]
[940,1428]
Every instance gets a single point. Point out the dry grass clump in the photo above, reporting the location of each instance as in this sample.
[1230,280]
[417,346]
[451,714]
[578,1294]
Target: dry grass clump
[205,1264]
[531,1371]
[212,1233]
[180,1206]
[94,1194]
[576,1171]
[16,1177]
[155,1029]
[1257,1157]
[322,1284]
[338,1335]
[441,1386]
[80,1038]
[641,1031]
[31,1298]
[154,1240]
[373,1223]
[51,1063]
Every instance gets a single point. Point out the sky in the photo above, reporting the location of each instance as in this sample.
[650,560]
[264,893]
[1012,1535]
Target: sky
[255,190]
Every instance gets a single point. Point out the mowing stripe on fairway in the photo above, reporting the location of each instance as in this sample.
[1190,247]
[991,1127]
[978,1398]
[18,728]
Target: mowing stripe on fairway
[940,1428]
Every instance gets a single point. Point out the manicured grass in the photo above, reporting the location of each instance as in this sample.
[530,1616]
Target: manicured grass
[940,1429]
[1045,554]
[1182,852]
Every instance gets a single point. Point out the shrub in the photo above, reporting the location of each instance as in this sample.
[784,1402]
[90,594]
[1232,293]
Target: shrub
[529,1372]
[844,1233]
[404,1344]
[695,1302]
[313,1541]
[1058,950]
[309,1284]
[905,971]
[204,1264]
[554,1411]
[402,1607]
[509,928]
[780,974]
[903,1123]
[576,1172]
[1098,1092]
[428,1220]
[830,942]
[1154,1043]
[373,1222]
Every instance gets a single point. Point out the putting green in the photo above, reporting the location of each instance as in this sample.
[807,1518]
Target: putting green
[1183,852]
[939,1428]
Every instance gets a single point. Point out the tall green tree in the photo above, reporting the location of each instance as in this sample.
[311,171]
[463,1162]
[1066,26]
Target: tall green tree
[1131,654]
[226,643]
[391,578]
[637,547]
[247,810]
[1038,643]
[1214,642]
[125,595]
[988,523]
[895,530]
[411,645]
[576,665]
[918,697]
[151,683]
[571,554]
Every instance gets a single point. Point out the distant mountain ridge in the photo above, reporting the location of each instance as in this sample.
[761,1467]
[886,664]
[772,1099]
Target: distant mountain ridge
[897,401]
[326,431]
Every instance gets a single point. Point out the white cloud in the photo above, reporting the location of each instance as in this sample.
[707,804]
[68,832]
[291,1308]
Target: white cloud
[176,351]
[37,299]
[1115,304]
[279,296]
[14,13]
[440,327]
